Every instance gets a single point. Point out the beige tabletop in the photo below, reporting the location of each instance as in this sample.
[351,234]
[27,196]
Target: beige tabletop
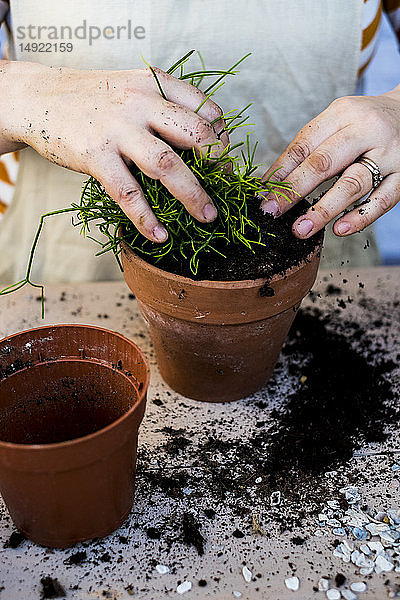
[124,564]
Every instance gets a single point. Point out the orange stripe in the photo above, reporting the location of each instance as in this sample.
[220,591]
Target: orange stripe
[3,207]
[372,28]
[4,174]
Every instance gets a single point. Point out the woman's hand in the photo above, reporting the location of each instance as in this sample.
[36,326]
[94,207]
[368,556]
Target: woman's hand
[331,143]
[99,122]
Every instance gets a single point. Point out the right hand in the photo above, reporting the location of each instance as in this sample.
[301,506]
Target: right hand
[97,122]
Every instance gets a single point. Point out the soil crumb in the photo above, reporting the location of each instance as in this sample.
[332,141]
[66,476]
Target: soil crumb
[191,533]
[77,558]
[51,588]
[15,540]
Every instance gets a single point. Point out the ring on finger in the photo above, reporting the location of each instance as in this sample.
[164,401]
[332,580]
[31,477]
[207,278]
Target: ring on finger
[371,165]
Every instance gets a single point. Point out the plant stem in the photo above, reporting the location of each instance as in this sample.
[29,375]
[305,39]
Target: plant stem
[27,280]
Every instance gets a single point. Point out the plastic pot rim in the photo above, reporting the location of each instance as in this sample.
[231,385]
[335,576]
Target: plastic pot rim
[141,394]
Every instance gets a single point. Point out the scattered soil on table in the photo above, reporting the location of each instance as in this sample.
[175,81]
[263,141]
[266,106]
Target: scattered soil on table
[282,250]
[342,398]
[340,579]
[343,401]
[177,442]
[336,390]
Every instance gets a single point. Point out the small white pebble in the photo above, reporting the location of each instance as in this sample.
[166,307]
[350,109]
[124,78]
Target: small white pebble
[292,583]
[318,533]
[237,594]
[349,595]
[333,594]
[366,570]
[383,565]
[333,523]
[162,569]
[358,586]
[322,517]
[185,586]
[323,584]
[375,546]
[258,480]
[349,545]
[275,498]
[247,574]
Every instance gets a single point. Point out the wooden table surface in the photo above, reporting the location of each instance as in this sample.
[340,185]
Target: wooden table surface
[123,565]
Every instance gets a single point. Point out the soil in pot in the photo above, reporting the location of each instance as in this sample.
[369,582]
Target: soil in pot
[282,250]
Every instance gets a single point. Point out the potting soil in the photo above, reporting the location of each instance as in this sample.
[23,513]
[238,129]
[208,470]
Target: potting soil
[281,251]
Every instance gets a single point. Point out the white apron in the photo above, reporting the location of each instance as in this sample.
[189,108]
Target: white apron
[305,53]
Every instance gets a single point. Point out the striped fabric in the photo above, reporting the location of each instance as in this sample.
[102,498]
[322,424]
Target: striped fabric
[8,177]
[372,16]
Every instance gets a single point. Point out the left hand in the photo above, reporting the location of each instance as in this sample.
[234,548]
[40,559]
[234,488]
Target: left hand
[349,128]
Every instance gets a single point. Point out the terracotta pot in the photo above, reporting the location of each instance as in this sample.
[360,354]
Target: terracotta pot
[72,398]
[217,340]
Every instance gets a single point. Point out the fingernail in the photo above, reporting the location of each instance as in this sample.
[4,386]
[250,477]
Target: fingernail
[271,207]
[160,233]
[343,227]
[209,212]
[304,227]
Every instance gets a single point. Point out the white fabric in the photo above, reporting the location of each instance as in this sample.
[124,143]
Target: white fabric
[304,54]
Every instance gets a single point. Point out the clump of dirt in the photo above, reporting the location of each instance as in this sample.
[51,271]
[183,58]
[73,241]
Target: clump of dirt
[191,533]
[77,558]
[177,442]
[52,588]
[15,540]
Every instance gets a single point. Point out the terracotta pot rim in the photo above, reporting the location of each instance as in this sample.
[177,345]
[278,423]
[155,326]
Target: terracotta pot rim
[219,284]
[141,394]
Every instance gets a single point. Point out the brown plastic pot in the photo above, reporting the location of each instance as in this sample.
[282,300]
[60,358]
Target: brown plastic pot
[72,398]
[217,341]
